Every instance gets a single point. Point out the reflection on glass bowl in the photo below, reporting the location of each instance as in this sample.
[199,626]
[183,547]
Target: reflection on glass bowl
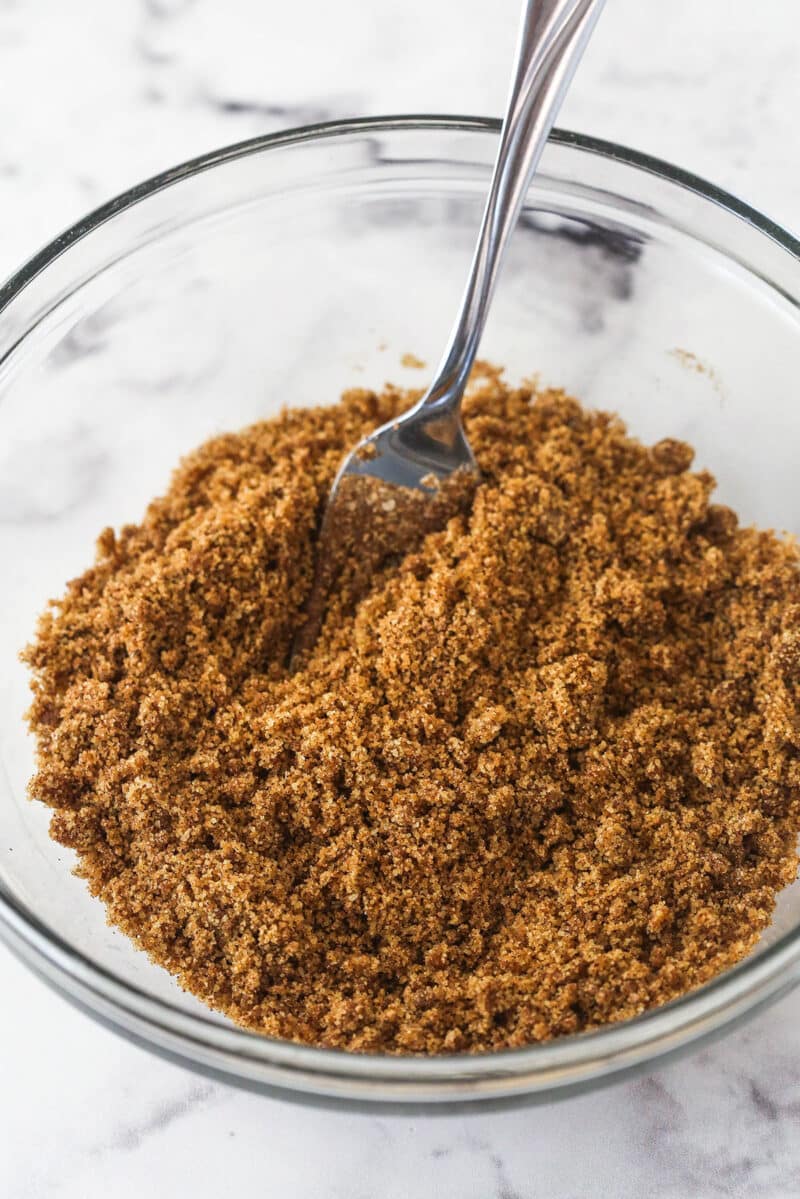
[280,272]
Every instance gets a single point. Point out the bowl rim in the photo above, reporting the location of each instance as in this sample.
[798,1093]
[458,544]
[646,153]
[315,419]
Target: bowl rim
[317,131]
[561,1063]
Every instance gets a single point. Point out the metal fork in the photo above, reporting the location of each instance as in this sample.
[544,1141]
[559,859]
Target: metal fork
[426,446]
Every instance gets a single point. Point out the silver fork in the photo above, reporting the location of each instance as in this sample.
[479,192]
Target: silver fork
[426,445]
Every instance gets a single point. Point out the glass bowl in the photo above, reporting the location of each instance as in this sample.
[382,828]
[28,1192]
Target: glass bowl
[281,271]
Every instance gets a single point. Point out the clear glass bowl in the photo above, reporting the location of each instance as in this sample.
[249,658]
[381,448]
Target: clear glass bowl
[281,271]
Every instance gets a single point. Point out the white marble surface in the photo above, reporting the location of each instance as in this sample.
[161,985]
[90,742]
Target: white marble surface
[94,96]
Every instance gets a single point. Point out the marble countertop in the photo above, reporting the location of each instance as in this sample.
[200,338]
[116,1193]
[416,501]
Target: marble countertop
[94,96]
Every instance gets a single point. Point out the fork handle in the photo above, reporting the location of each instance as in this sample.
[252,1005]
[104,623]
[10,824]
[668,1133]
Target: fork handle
[552,38]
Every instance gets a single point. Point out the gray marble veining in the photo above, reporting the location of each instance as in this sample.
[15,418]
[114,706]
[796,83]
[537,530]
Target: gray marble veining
[95,96]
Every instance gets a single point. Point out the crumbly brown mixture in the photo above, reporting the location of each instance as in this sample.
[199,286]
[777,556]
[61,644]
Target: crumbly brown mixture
[368,521]
[543,777]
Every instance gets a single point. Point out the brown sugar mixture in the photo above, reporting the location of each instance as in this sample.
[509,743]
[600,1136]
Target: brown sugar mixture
[543,775]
